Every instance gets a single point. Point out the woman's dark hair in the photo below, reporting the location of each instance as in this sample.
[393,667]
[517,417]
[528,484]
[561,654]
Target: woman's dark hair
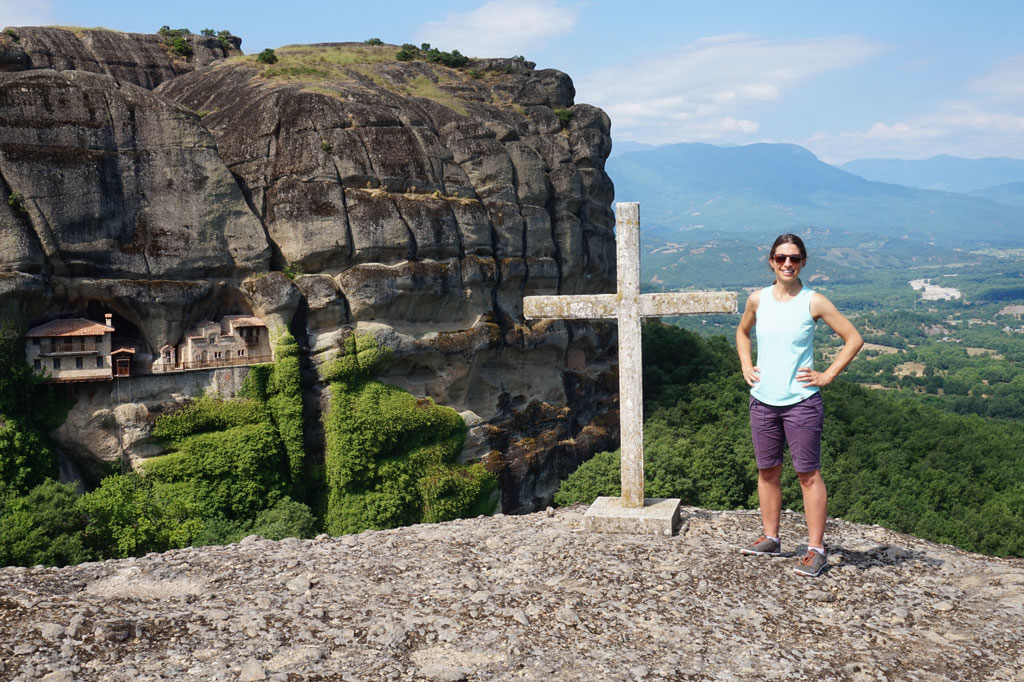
[786,239]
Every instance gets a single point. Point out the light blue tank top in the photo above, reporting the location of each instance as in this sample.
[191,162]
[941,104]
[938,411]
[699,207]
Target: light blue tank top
[785,343]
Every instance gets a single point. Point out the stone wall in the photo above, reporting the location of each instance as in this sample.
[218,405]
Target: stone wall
[112,421]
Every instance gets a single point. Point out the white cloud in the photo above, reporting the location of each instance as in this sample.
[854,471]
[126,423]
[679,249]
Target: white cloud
[704,90]
[1004,83]
[26,13]
[960,130]
[500,28]
[991,123]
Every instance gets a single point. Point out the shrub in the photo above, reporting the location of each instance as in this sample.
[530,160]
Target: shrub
[168,32]
[390,456]
[43,526]
[29,409]
[17,202]
[407,53]
[285,400]
[448,492]
[26,459]
[599,476]
[218,530]
[238,472]
[12,34]
[180,46]
[124,518]
[286,519]
[373,41]
[361,358]
[256,382]
[208,32]
[564,116]
[207,414]
[267,56]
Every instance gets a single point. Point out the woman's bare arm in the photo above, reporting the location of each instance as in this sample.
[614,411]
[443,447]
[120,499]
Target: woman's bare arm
[751,374]
[823,309]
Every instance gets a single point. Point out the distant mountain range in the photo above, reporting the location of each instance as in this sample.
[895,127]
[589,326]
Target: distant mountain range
[947,173]
[1012,193]
[765,189]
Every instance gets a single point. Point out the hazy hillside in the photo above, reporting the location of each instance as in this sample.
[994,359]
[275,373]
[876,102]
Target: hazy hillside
[619,148]
[1011,193]
[770,188]
[948,173]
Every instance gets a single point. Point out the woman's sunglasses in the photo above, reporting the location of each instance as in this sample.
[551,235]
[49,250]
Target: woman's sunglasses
[781,258]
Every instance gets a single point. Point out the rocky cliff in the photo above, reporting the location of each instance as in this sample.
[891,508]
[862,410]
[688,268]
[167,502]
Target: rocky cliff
[523,598]
[410,200]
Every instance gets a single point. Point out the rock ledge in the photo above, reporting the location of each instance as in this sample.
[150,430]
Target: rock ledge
[530,598]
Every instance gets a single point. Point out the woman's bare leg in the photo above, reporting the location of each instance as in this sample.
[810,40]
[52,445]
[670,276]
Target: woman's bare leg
[815,505]
[769,495]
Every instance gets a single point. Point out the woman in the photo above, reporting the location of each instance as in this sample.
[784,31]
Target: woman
[785,401]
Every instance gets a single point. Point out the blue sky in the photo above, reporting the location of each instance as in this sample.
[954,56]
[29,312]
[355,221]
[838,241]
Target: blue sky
[847,80]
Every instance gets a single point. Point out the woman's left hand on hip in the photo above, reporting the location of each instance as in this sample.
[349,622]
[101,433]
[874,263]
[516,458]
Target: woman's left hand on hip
[808,377]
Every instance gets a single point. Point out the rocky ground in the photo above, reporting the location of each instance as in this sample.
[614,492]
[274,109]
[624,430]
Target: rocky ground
[522,597]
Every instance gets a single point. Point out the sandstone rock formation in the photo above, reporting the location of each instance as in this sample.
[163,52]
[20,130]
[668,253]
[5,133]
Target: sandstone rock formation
[139,58]
[523,598]
[409,200]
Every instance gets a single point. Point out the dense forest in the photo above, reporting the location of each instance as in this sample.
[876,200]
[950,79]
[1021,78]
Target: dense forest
[236,467]
[887,459]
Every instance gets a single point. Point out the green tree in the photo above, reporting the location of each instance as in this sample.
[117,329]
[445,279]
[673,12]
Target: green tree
[44,526]
[124,518]
[28,409]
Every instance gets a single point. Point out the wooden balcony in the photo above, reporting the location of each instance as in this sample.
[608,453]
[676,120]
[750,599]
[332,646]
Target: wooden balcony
[69,347]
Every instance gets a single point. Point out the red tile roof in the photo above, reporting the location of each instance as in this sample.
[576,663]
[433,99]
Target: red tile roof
[72,327]
[244,321]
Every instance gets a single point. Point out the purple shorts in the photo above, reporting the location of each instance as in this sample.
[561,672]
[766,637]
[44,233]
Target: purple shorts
[798,424]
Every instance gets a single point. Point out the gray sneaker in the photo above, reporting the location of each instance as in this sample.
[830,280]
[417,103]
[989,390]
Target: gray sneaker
[763,546]
[812,564]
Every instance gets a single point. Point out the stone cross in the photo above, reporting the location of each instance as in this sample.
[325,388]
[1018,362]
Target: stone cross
[628,306]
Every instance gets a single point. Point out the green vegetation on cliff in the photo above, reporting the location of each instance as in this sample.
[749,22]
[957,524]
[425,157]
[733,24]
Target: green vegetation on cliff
[237,467]
[28,409]
[886,460]
[390,456]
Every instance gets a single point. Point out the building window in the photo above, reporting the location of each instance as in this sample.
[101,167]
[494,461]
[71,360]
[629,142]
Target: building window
[78,363]
[99,361]
[37,364]
[217,355]
[56,363]
[35,341]
[241,353]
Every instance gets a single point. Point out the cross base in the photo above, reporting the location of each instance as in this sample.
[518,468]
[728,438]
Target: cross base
[658,516]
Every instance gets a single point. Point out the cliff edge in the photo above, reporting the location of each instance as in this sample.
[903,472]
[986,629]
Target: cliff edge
[337,191]
[529,597]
